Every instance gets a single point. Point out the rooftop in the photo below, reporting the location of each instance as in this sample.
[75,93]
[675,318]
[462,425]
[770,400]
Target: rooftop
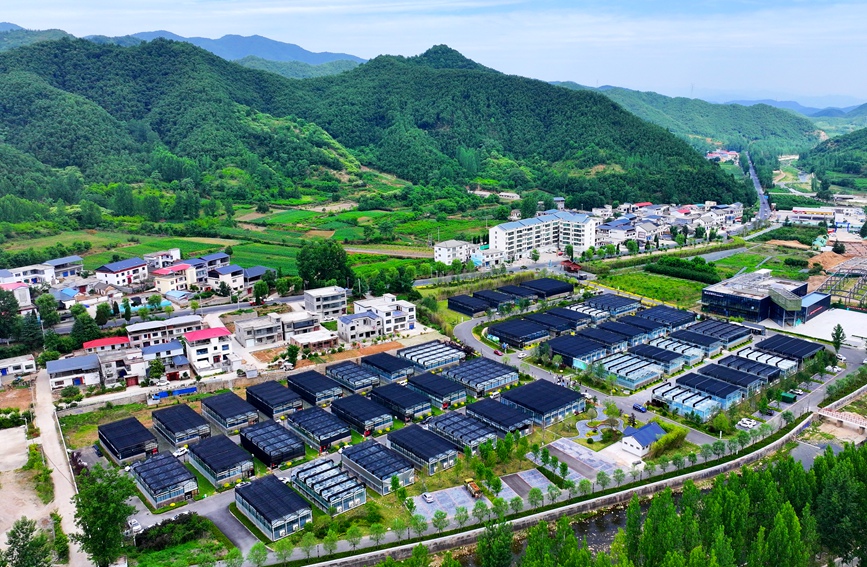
[162,347]
[326,291]
[62,261]
[125,433]
[207,334]
[121,265]
[162,323]
[219,453]
[228,405]
[179,418]
[541,396]
[87,362]
[421,442]
[272,499]
[645,435]
[377,459]
[452,244]
[108,341]
[162,471]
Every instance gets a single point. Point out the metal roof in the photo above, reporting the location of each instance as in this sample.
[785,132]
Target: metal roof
[541,396]
[421,442]
[318,423]
[273,439]
[65,260]
[219,453]
[273,394]
[359,409]
[272,499]
[163,347]
[313,383]
[355,375]
[228,405]
[377,459]
[122,265]
[387,362]
[179,418]
[85,363]
[399,396]
[501,414]
[162,472]
[125,433]
[173,321]
[435,385]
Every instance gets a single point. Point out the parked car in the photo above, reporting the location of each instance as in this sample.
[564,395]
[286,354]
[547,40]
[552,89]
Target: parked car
[841,358]
[524,355]
[498,353]
[180,452]
[798,391]
[427,498]
[244,483]
[767,412]
[639,408]
[97,449]
[134,526]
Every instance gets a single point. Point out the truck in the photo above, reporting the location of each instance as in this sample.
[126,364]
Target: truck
[473,488]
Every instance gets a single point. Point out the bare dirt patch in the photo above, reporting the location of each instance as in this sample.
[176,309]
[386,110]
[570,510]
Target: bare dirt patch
[251,216]
[353,353]
[789,244]
[320,233]
[829,259]
[253,227]
[19,398]
[218,241]
[332,207]
[815,282]
[268,354]
[19,499]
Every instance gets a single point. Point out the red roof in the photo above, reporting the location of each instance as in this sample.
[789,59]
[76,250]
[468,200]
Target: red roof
[108,341]
[171,269]
[11,286]
[206,334]
[644,204]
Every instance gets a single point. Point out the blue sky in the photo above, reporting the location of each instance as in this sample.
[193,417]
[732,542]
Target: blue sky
[719,50]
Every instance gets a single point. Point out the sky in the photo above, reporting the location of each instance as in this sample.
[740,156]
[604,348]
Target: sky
[812,51]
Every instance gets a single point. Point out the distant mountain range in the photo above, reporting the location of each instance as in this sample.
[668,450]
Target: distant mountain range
[832,112]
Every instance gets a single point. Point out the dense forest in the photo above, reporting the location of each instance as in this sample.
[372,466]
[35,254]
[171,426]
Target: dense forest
[297,69]
[842,159]
[120,114]
[707,126]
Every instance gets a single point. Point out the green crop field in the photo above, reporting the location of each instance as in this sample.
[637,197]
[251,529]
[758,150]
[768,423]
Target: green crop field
[188,247]
[274,256]
[684,293]
[294,216]
[444,230]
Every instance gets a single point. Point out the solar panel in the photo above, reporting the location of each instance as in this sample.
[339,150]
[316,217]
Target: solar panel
[668,315]
[313,384]
[462,429]
[359,409]
[467,305]
[766,371]
[493,298]
[421,442]
[612,303]
[504,416]
[570,314]
[228,405]
[273,439]
[574,347]
[126,433]
[179,418]
[162,471]
[601,336]
[720,329]
[478,372]
[377,459]
[319,423]
[435,385]
[654,353]
[399,396]
[622,329]
[552,322]
[790,346]
[518,330]
[696,339]
[219,453]
[272,499]
[547,287]
[518,291]
[432,354]
[731,376]
[354,376]
[710,386]
[642,323]
[274,394]
[387,362]
[542,396]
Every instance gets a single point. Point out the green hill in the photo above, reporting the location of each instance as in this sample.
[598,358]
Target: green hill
[842,160]
[706,125]
[297,69]
[14,38]
[436,119]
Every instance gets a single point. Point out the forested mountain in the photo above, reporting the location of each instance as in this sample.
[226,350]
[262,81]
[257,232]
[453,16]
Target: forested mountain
[12,36]
[121,114]
[845,156]
[297,69]
[706,125]
[792,105]
[237,47]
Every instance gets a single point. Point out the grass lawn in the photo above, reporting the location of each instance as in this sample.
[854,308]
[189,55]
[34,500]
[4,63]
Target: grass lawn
[184,554]
[683,293]
[205,487]
[80,430]
[294,216]
[751,259]
[98,240]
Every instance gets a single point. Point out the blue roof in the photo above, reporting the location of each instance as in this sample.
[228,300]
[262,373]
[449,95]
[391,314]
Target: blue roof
[194,262]
[122,265]
[69,292]
[256,271]
[6,274]
[646,435]
[89,362]
[165,347]
[228,269]
[353,316]
[176,293]
[547,217]
[64,260]
[215,256]
[812,298]
[180,360]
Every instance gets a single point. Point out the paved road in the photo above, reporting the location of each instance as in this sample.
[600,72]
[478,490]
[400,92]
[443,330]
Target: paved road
[764,207]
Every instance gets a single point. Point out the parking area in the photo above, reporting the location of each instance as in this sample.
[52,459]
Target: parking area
[13,448]
[585,462]
[446,500]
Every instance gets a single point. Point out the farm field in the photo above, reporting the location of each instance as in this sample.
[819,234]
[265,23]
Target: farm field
[98,240]
[773,257]
[683,293]
[188,246]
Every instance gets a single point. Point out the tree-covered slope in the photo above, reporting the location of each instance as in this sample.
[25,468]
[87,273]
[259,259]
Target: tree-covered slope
[437,118]
[845,156]
[17,37]
[706,125]
[297,69]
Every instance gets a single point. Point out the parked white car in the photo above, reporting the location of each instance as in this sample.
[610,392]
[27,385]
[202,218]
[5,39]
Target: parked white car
[180,452]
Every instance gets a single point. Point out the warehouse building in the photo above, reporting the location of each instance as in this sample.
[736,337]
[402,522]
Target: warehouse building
[323,483]
[669,361]
[749,382]
[518,332]
[354,377]
[546,402]
[654,329]
[441,391]
[611,341]
[273,399]
[578,320]
[790,347]
[519,292]
[434,354]
[402,402]
[427,451]
[725,394]
[221,461]
[686,401]
[126,441]
[767,372]
[273,507]
[481,376]
[363,415]
[672,318]
[318,428]
[787,366]
[633,335]
[469,306]
[632,372]
[229,411]
[272,443]
[549,288]
[180,425]
[495,299]
[163,480]
[389,368]
[577,352]
[710,346]
[501,417]
[613,304]
[314,388]
[595,314]
[462,430]
[729,333]
[556,325]
[691,353]
[375,465]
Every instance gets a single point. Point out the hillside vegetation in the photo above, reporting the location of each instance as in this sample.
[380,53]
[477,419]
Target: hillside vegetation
[298,69]
[706,125]
[842,160]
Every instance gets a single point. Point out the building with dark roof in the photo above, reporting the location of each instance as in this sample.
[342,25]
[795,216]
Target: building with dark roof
[164,480]
[493,298]
[549,288]
[229,411]
[729,333]
[481,376]
[577,352]
[766,371]
[433,354]
[556,325]
[354,377]
[545,401]
[272,443]
[710,346]
[323,483]
[501,417]
[274,399]
[613,303]
[427,451]
[363,415]
[725,394]
[375,465]
[654,329]
[579,320]
[638,441]
[466,305]
[273,507]
[314,388]
[389,368]
[402,402]
[180,425]
[672,318]
[441,391]
[518,332]
[318,428]
[790,347]
[126,440]
[633,335]
[612,342]
[669,361]
[744,380]
[462,430]
[518,292]
[221,461]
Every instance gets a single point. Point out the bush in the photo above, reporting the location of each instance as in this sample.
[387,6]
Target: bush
[170,533]
[696,269]
[796,262]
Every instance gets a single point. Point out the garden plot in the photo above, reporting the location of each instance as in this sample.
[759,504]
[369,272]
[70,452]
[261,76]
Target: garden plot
[446,500]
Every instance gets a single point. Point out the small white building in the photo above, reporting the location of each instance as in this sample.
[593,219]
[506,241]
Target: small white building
[258,332]
[397,315]
[359,326]
[210,351]
[296,322]
[327,302]
[450,250]
[21,291]
[66,267]
[158,332]
[638,441]
[17,366]
[163,258]
[232,276]
[488,257]
[123,273]
[34,274]
[75,371]
[173,278]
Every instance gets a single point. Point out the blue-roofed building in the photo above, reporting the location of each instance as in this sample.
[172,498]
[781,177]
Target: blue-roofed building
[75,371]
[67,266]
[232,276]
[123,273]
[253,275]
[216,260]
[172,356]
[638,441]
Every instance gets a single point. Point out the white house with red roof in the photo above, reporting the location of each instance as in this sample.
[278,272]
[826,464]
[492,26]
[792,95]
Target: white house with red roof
[106,344]
[21,291]
[210,351]
[173,278]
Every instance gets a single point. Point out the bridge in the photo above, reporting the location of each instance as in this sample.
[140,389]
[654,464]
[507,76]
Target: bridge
[841,417]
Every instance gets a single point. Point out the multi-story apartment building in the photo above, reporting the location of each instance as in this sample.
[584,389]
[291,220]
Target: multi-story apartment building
[124,272]
[258,332]
[158,332]
[216,260]
[172,278]
[397,315]
[163,258]
[210,351]
[34,274]
[66,267]
[21,291]
[197,274]
[553,229]
[359,326]
[296,322]
[232,276]
[327,302]
[450,250]
[76,371]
